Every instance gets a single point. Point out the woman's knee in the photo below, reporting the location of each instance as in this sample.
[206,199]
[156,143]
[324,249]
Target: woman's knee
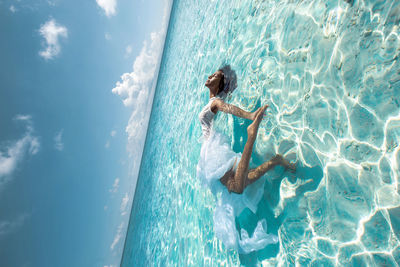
[234,187]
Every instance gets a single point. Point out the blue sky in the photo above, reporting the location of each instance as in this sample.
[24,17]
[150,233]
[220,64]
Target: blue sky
[77,78]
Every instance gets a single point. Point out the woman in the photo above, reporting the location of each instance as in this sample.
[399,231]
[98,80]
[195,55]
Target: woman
[217,169]
[236,179]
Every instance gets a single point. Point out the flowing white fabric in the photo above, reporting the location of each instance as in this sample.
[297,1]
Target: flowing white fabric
[216,158]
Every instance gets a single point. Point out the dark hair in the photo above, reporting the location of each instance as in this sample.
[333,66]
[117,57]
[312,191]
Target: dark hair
[228,81]
[221,82]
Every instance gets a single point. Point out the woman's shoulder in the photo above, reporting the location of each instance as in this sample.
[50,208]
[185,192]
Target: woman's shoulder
[216,101]
[215,104]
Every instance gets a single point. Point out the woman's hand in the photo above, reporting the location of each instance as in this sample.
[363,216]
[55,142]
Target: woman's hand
[253,114]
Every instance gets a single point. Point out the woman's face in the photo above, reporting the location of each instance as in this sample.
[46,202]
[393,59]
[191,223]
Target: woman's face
[214,80]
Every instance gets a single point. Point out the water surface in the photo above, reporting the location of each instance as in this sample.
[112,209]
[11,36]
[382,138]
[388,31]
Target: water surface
[330,72]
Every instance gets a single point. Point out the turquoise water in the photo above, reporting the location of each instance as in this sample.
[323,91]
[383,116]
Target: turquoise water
[330,72]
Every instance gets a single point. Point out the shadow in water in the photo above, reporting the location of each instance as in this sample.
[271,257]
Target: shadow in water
[308,177]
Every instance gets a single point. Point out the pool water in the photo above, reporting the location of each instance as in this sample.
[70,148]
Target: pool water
[330,72]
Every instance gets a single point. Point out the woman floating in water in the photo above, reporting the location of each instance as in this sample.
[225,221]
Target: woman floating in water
[217,168]
[236,178]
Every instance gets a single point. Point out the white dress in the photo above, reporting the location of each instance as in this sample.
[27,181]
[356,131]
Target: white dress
[216,158]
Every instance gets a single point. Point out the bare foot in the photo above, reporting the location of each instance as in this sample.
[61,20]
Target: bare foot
[253,128]
[254,114]
[284,163]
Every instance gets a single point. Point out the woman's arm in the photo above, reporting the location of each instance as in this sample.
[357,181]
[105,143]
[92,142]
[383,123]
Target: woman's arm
[231,109]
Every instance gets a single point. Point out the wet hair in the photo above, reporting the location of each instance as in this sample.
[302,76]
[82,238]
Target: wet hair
[221,82]
[228,81]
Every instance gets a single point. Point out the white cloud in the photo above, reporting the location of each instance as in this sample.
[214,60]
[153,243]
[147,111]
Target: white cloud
[124,204]
[117,236]
[34,145]
[58,144]
[107,145]
[107,36]
[128,51]
[51,32]
[27,118]
[52,3]
[113,133]
[137,90]
[11,155]
[7,227]
[108,6]
[115,186]
[13,9]
[135,87]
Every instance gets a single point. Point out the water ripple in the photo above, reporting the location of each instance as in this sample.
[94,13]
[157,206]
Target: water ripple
[330,72]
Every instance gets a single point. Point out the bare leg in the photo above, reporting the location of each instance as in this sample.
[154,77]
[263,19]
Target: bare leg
[258,172]
[237,182]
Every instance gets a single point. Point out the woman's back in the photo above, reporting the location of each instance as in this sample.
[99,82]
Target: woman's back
[206,117]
